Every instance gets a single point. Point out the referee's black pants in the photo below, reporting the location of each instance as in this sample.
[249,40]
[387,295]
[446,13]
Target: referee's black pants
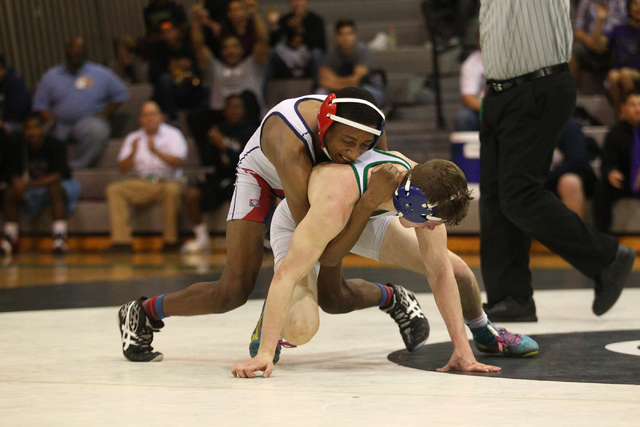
[519,131]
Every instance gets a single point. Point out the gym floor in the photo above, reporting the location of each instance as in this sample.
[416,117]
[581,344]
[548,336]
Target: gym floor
[62,363]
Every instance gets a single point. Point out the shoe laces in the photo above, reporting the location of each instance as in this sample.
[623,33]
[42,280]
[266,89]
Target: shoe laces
[284,344]
[143,339]
[405,309]
[504,338]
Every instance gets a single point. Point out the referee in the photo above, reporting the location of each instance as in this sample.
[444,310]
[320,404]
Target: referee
[526,45]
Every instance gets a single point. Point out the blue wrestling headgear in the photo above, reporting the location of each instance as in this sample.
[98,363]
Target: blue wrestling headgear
[412,204]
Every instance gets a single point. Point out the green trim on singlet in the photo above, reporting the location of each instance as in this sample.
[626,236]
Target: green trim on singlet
[397,160]
[386,153]
[355,172]
[365,172]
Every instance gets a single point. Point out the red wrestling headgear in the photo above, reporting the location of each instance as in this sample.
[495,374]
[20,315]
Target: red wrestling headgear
[327,115]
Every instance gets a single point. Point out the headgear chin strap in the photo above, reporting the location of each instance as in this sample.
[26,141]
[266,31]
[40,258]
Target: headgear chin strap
[412,204]
[327,115]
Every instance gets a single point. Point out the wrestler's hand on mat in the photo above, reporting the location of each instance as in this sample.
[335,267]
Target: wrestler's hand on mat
[461,361]
[262,362]
[383,183]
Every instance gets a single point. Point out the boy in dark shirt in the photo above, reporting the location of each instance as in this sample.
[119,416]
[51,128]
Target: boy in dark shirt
[174,72]
[620,162]
[40,177]
[220,149]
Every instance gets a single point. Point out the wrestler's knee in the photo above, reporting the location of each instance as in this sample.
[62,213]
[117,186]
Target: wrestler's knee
[461,270]
[299,330]
[332,302]
[227,295]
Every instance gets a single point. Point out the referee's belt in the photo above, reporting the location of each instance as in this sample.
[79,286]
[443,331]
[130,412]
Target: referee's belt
[502,85]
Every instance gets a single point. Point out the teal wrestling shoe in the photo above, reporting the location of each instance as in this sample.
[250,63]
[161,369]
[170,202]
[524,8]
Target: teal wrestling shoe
[255,340]
[490,339]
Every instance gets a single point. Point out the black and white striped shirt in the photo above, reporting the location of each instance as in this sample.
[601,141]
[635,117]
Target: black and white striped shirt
[521,36]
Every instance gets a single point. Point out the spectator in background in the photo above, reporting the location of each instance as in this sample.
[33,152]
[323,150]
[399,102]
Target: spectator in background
[15,99]
[472,86]
[7,147]
[620,162]
[78,97]
[174,72]
[571,177]
[301,21]
[587,54]
[212,23]
[127,48]
[217,10]
[624,40]
[298,39]
[219,149]
[40,176]
[448,20]
[243,22]
[153,155]
[160,11]
[234,73]
[350,63]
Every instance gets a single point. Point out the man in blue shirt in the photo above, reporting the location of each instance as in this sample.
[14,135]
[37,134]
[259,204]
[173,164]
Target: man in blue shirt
[78,97]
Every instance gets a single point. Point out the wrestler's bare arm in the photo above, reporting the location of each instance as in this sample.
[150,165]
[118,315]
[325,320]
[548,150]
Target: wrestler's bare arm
[434,253]
[288,154]
[331,205]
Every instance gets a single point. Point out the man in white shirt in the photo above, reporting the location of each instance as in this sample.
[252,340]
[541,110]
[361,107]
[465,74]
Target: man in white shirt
[153,155]
[472,84]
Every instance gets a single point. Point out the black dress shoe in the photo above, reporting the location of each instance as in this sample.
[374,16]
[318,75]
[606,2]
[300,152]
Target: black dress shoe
[611,280]
[510,310]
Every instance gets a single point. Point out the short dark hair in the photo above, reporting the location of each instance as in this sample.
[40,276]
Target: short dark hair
[345,23]
[445,184]
[359,113]
[625,96]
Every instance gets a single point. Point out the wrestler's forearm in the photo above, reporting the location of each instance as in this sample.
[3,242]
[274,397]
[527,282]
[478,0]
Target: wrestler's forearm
[275,312]
[447,296]
[304,250]
[433,251]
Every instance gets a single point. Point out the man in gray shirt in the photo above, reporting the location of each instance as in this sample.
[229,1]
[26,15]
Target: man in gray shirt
[526,46]
[350,63]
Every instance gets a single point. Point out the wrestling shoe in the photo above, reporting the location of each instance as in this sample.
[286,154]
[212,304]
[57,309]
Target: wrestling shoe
[60,246]
[8,247]
[136,332]
[195,247]
[406,311]
[254,346]
[490,339]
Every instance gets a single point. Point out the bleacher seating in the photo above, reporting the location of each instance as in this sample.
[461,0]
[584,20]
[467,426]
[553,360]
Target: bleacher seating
[411,125]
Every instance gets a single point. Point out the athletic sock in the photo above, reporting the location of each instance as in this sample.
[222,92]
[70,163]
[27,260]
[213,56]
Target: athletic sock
[59,228]
[478,322]
[202,234]
[11,230]
[153,307]
[387,296]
